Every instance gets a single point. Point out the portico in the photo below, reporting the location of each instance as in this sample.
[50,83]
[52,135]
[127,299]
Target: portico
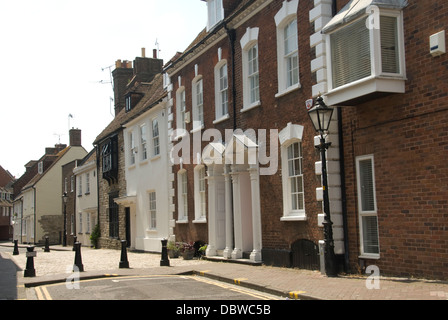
[234,202]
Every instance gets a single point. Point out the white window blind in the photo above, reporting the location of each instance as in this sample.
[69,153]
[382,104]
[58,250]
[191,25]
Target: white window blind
[366,185]
[350,53]
[389,45]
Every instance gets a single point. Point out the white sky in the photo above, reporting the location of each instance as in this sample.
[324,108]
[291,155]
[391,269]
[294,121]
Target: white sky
[52,53]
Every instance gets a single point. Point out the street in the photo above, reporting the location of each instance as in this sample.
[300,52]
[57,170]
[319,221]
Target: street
[8,278]
[152,287]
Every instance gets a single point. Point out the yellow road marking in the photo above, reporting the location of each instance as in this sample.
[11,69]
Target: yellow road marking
[295,294]
[238,280]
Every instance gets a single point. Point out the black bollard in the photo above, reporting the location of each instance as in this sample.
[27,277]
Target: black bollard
[164,262]
[30,254]
[16,248]
[78,266]
[75,239]
[47,245]
[124,263]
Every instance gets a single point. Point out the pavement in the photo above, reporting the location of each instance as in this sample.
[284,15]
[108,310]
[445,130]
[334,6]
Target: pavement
[56,266]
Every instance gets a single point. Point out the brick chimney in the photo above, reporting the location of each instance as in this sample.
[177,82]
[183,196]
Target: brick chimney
[75,137]
[145,68]
[125,74]
[122,74]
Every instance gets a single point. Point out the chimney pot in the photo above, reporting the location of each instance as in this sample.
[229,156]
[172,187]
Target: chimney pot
[143,53]
[154,53]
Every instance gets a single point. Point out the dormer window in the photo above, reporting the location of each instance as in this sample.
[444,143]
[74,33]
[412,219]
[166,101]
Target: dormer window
[128,103]
[215,13]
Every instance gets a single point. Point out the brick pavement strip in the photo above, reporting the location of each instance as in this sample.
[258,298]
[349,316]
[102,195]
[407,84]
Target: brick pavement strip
[292,283]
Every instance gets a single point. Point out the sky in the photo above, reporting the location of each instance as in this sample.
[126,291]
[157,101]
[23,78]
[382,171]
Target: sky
[56,60]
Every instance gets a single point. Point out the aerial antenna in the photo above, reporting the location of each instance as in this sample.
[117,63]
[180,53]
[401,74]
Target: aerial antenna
[59,136]
[110,76]
[69,116]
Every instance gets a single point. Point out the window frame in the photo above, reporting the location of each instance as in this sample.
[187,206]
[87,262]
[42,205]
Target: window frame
[221,104]
[155,137]
[200,194]
[182,196]
[144,141]
[152,211]
[181,108]
[366,213]
[198,103]
[248,42]
[286,15]
[291,213]
[215,13]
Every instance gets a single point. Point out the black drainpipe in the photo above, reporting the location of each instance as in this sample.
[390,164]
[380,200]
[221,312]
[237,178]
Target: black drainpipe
[334,9]
[231,33]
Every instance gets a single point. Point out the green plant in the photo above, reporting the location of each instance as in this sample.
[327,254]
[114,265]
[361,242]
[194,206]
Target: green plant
[95,235]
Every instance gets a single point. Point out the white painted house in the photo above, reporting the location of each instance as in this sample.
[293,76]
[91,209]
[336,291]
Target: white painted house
[86,197]
[146,169]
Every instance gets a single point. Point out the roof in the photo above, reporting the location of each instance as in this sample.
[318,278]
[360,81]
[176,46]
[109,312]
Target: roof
[38,176]
[5,177]
[152,92]
[356,8]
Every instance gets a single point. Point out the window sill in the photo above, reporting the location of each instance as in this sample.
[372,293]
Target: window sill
[200,220]
[288,90]
[157,157]
[151,230]
[143,162]
[369,256]
[294,218]
[223,118]
[197,129]
[251,106]
[182,221]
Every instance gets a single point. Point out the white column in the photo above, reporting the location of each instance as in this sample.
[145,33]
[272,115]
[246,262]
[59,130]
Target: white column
[229,219]
[211,247]
[237,252]
[256,212]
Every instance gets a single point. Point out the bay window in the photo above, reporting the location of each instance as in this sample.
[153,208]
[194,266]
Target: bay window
[365,56]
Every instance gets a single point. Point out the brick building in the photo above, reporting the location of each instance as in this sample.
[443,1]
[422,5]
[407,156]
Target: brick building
[250,69]
[394,136]
[253,67]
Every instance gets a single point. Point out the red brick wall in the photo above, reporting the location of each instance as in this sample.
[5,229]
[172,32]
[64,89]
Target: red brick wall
[274,113]
[407,134]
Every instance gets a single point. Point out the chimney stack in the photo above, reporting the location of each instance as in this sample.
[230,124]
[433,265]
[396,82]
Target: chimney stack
[75,137]
[122,74]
